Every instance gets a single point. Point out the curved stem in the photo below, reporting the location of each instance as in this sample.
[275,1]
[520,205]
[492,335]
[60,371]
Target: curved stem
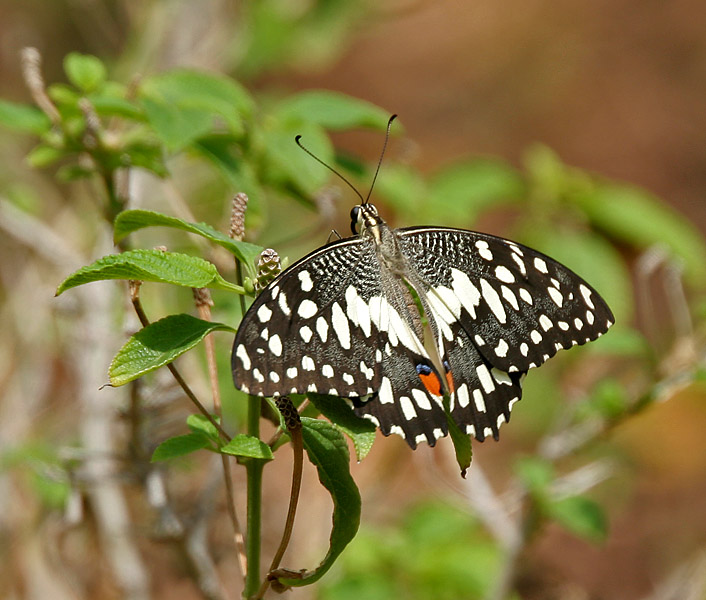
[253,469]
[297,469]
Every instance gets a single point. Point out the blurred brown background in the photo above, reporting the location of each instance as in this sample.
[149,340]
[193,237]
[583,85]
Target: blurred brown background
[614,87]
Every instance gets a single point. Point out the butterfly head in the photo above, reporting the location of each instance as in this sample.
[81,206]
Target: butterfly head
[364,216]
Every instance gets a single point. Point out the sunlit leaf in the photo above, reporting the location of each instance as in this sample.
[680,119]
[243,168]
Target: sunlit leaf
[327,450]
[151,265]
[332,110]
[180,446]
[361,431]
[86,72]
[132,220]
[23,118]
[247,446]
[159,344]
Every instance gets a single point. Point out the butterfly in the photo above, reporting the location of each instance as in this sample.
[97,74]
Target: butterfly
[395,320]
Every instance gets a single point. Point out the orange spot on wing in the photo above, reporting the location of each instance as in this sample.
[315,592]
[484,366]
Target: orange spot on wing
[450,382]
[431,383]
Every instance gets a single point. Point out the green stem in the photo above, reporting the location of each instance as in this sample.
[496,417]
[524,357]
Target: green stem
[254,520]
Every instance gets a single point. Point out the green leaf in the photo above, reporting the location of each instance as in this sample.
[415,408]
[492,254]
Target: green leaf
[43,156]
[332,110]
[462,444]
[179,446]
[361,431]
[67,173]
[287,164]
[327,450]
[247,446]
[151,265]
[159,344]
[183,104]
[638,218]
[132,220]
[110,106]
[581,516]
[200,424]
[460,193]
[23,118]
[85,71]
[609,399]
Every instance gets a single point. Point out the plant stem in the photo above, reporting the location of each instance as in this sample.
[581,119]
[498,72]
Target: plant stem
[203,303]
[294,426]
[254,495]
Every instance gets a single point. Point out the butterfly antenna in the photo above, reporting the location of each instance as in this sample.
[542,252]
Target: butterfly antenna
[329,167]
[382,154]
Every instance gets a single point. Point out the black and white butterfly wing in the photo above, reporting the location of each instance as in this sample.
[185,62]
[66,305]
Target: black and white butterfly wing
[296,337]
[499,309]
[341,322]
[337,323]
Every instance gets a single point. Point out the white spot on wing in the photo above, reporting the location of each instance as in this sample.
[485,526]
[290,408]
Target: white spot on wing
[407,408]
[501,376]
[556,296]
[292,372]
[545,322]
[535,336]
[348,378]
[520,263]
[306,333]
[327,371]
[307,309]
[283,306]
[526,296]
[540,265]
[462,396]
[493,300]
[504,274]
[524,349]
[274,377]
[586,293]
[306,283]
[466,291]
[275,345]
[421,399]
[484,250]
[509,295]
[485,379]
[502,348]
[308,363]
[264,313]
[322,328]
[385,394]
[478,400]
[242,354]
[340,326]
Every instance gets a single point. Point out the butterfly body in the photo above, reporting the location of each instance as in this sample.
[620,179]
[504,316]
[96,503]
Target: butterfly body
[393,320]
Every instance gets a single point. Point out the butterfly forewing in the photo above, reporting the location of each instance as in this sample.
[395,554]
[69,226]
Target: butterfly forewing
[518,306]
[297,335]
